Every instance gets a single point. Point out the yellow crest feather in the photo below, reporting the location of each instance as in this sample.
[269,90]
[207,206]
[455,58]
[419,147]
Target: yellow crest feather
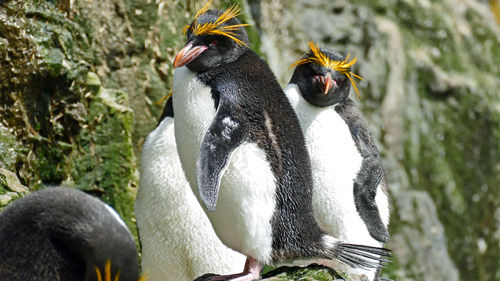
[98,272]
[107,273]
[341,66]
[216,28]
[143,278]
[164,98]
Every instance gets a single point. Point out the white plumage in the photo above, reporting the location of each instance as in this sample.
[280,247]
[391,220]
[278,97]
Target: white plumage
[178,241]
[335,162]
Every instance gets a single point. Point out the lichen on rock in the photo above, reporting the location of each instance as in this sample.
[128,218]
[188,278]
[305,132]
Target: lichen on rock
[46,58]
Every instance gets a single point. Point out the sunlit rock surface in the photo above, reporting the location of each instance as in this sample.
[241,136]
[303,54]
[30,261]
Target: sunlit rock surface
[431,97]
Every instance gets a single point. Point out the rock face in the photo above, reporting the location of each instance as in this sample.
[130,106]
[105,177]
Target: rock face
[67,127]
[420,242]
[431,98]
[79,82]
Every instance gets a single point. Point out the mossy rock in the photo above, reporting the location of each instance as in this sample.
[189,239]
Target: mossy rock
[68,130]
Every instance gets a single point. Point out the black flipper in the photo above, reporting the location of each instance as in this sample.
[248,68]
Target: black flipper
[370,175]
[366,183]
[228,130]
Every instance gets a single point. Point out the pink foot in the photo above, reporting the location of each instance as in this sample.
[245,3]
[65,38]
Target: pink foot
[251,272]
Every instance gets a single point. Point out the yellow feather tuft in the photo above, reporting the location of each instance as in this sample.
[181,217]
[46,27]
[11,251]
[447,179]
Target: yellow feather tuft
[216,28]
[98,272]
[117,277]
[107,273]
[341,66]
[107,270]
[203,9]
[164,98]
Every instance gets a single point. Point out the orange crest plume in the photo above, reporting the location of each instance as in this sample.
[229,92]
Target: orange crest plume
[341,66]
[107,273]
[216,28]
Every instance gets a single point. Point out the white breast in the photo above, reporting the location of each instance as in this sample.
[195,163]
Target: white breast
[194,111]
[178,241]
[335,163]
[246,196]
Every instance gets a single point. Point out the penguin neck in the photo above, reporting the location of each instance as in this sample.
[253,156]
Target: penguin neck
[297,100]
[194,108]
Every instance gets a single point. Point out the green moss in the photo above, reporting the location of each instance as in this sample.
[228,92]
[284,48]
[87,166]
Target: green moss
[9,148]
[105,162]
[10,188]
[452,124]
[456,160]
[68,136]
[309,273]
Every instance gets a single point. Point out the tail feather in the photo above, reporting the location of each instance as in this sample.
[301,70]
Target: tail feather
[356,256]
[374,250]
[356,262]
[359,254]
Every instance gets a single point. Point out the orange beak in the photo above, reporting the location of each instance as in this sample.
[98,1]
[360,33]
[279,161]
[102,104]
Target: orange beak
[187,54]
[327,82]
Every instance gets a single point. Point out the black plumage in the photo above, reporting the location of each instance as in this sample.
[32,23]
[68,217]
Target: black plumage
[371,173]
[63,234]
[246,90]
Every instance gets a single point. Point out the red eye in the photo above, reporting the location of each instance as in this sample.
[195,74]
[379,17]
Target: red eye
[214,42]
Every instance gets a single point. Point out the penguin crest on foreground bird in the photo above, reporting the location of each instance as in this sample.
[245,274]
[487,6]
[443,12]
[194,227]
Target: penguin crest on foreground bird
[64,234]
[177,240]
[240,144]
[350,197]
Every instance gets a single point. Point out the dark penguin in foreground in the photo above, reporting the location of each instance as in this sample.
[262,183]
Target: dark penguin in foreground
[64,234]
[243,152]
[350,196]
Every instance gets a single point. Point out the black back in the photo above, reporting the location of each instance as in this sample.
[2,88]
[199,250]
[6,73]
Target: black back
[258,95]
[168,111]
[63,234]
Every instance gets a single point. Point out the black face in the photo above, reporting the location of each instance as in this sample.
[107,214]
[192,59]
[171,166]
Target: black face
[219,49]
[312,79]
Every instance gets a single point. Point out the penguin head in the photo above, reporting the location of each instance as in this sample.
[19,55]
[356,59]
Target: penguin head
[214,38]
[324,77]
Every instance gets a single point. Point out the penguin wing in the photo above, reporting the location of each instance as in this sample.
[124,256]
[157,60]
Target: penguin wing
[366,184]
[228,130]
[168,111]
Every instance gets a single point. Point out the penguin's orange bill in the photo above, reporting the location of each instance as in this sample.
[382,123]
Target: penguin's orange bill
[327,82]
[188,54]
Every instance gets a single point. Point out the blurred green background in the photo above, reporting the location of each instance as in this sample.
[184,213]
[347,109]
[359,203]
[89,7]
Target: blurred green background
[80,81]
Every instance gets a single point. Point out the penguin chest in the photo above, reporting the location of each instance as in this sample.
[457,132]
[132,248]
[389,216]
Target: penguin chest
[246,203]
[194,111]
[335,163]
